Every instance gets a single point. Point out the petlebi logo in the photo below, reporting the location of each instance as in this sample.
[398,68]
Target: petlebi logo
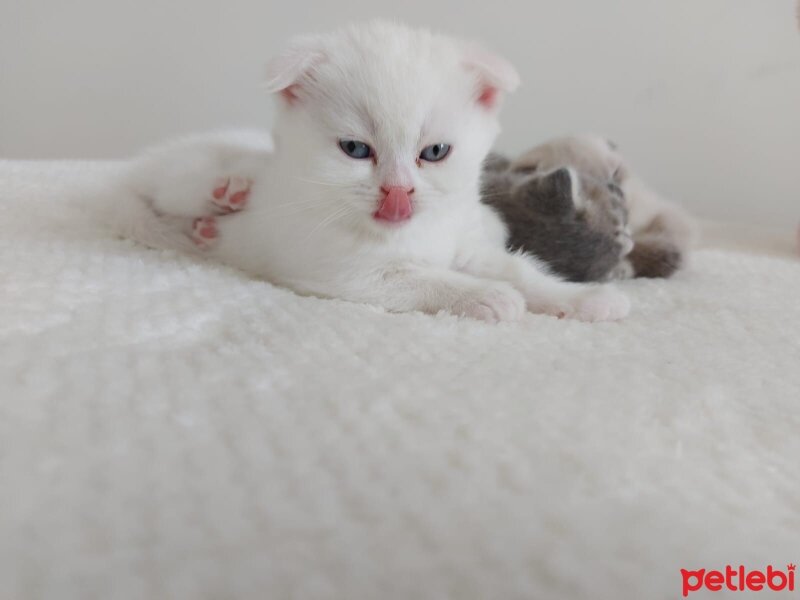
[739,580]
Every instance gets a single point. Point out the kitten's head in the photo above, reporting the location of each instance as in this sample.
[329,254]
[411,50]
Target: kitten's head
[564,192]
[575,224]
[602,177]
[388,121]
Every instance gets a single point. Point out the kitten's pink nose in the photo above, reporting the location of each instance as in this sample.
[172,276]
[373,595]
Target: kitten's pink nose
[396,204]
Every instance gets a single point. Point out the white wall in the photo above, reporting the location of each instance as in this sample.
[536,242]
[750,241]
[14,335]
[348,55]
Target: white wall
[703,95]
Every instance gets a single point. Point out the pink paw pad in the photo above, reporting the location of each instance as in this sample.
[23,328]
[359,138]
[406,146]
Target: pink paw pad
[231,193]
[204,231]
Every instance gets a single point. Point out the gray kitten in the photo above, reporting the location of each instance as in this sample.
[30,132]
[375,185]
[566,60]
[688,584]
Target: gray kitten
[663,232]
[576,224]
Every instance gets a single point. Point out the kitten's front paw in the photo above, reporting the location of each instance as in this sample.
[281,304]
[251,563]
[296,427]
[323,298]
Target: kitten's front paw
[624,240]
[231,194]
[624,270]
[204,232]
[493,303]
[598,304]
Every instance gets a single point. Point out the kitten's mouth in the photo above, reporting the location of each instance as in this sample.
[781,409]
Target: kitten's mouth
[395,206]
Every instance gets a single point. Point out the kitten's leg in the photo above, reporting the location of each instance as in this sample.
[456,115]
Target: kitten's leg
[649,212]
[624,270]
[486,287]
[545,293]
[206,174]
[655,255]
[397,286]
[410,287]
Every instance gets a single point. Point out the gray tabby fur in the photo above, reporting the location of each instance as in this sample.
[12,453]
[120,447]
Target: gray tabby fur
[574,223]
[663,232]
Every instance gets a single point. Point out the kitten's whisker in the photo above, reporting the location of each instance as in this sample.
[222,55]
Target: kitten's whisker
[326,183]
[300,205]
[341,212]
[297,207]
[302,201]
[286,213]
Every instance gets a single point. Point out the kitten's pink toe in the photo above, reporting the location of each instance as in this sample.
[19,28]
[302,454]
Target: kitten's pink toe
[231,193]
[204,231]
[221,188]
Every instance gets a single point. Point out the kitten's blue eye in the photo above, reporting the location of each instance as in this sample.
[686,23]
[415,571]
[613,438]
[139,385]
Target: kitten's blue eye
[355,149]
[435,153]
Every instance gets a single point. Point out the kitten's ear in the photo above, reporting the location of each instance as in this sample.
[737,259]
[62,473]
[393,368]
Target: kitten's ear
[285,72]
[495,75]
[551,194]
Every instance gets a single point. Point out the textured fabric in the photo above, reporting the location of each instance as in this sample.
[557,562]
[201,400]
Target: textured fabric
[170,428]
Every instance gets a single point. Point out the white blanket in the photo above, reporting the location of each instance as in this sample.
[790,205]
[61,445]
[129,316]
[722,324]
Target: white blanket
[170,428]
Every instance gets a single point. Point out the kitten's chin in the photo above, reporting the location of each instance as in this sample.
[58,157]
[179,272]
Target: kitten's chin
[382,226]
[379,228]
[390,220]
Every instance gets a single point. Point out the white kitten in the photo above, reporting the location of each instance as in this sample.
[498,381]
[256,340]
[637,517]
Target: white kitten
[372,191]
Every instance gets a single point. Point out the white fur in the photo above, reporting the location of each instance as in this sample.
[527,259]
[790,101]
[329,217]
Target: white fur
[309,225]
[174,430]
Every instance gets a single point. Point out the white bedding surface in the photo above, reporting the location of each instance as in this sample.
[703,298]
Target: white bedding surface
[170,428]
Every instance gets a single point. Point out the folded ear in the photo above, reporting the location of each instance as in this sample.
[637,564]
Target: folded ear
[495,75]
[551,194]
[285,72]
